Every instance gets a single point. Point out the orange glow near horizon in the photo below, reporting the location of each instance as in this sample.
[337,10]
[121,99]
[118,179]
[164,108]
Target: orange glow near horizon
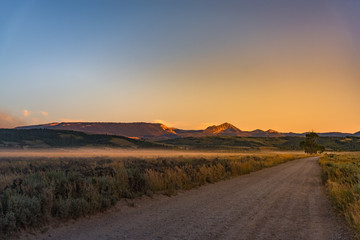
[291,66]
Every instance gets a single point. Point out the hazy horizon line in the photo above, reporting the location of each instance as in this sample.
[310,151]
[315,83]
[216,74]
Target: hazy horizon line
[188,129]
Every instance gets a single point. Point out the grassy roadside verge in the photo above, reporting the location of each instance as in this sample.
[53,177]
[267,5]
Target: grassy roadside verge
[35,191]
[341,175]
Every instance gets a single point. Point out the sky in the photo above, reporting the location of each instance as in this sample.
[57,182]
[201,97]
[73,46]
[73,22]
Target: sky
[258,64]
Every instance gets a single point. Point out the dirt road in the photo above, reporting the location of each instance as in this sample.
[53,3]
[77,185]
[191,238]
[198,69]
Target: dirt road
[283,202]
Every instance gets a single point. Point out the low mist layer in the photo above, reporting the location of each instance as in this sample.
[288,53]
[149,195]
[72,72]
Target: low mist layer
[121,153]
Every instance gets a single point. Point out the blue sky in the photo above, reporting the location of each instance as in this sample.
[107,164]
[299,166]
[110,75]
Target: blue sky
[185,63]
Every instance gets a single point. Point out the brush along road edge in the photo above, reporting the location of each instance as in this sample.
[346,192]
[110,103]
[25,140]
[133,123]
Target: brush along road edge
[283,202]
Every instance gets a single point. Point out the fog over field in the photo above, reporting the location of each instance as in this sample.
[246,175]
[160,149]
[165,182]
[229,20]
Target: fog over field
[121,153]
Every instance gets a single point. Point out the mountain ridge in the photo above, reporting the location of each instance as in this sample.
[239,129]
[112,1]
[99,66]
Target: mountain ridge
[51,138]
[159,131]
[223,129]
[132,130]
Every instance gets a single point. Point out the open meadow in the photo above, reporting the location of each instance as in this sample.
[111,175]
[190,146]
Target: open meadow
[39,187]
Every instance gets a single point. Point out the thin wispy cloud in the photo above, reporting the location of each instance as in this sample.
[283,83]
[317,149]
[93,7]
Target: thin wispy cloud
[45,114]
[26,113]
[9,121]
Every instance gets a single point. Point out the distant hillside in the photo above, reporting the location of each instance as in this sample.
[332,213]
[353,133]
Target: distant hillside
[335,134]
[49,138]
[134,130]
[236,143]
[45,138]
[157,131]
[223,129]
[152,131]
[227,129]
[253,143]
[268,133]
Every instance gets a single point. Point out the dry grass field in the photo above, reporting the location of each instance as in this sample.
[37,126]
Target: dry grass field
[35,190]
[341,174]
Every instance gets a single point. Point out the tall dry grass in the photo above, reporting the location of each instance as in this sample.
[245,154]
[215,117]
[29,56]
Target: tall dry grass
[341,175]
[35,191]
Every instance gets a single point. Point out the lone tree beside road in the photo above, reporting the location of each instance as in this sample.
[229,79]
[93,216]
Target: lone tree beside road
[310,145]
